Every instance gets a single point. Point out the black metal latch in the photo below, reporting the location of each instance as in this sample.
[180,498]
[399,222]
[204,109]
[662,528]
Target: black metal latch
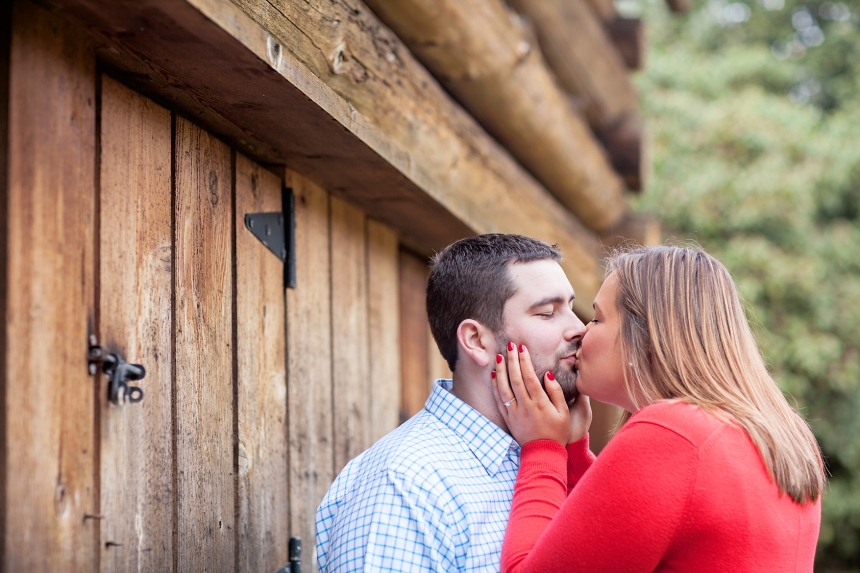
[295,556]
[119,373]
[277,231]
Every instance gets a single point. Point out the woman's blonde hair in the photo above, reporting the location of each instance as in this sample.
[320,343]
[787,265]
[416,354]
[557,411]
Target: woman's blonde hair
[685,337]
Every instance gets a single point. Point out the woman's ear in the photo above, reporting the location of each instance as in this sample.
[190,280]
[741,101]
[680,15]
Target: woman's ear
[476,341]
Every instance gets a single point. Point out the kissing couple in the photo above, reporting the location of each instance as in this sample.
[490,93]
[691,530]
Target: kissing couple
[711,471]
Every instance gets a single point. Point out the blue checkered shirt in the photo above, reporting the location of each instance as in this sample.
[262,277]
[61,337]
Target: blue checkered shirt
[433,495]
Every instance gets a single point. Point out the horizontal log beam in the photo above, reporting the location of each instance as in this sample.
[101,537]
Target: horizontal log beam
[483,55]
[626,33]
[332,93]
[581,54]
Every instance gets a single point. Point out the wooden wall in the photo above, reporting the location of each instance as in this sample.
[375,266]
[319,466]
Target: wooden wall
[125,221]
[421,361]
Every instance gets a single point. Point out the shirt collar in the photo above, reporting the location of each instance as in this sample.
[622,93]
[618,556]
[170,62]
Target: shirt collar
[488,442]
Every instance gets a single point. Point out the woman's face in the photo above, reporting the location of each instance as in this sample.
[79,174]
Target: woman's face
[599,360]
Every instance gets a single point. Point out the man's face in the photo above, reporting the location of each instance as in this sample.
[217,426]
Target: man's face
[539,316]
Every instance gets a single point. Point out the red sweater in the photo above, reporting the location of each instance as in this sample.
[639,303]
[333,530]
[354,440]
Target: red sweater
[675,490]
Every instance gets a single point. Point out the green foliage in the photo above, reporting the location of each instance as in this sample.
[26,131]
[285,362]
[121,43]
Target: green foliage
[754,143]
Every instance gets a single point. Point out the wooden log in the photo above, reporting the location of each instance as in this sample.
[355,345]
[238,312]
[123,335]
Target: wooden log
[203,339]
[48,405]
[350,349]
[309,354]
[136,319]
[383,296]
[380,131]
[415,336]
[680,6]
[628,35]
[605,9]
[629,151]
[262,526]
[581,55]
[635,229]
[481,53]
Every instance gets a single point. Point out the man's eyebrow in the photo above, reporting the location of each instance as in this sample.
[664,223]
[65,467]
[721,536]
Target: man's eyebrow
[552,300]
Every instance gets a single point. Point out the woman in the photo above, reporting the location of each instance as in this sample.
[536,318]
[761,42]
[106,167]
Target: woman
[713,471]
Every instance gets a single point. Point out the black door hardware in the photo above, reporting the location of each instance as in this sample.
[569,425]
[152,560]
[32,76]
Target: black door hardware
[277,231]
[119,373]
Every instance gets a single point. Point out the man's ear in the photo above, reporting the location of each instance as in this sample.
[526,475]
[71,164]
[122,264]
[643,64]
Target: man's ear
[476,341]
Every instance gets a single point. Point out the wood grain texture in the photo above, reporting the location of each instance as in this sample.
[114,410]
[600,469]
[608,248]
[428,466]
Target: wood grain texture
[605,9]
[414,334]
[376,129]
[484,57]
[349,331]
[136,320]
[309,366]
[586,64]
[203,351]
[383,296]
[263,508]
[50,403]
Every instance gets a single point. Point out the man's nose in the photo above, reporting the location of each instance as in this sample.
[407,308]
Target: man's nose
[575,331]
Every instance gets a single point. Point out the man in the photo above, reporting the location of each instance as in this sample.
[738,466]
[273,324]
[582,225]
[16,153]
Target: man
[434,494]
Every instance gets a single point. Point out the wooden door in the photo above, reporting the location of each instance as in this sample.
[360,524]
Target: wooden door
[194,477]
[125,220]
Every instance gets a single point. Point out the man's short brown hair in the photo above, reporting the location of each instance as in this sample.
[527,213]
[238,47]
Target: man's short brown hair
[470,280]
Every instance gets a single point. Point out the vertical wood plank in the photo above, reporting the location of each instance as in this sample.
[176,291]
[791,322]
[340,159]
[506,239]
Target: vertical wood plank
[383,295]
[414,334]
[263,512]
[135,319]
[5,45]
[203,341]
[50,405]
[350,363]
[309,371]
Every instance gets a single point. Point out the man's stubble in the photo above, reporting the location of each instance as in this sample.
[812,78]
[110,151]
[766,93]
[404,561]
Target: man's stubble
[565,375]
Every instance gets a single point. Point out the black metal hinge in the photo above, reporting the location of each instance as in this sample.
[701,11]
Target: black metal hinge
[277,231]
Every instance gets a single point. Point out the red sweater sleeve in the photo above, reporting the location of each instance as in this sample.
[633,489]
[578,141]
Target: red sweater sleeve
[579,459]
[621,516]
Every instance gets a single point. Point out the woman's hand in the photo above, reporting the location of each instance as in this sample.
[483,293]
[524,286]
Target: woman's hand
[530,413]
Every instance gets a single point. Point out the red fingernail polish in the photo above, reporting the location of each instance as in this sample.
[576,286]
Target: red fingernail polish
[522,348]
[511,346]
[499,358]
[550,375]
[492,374]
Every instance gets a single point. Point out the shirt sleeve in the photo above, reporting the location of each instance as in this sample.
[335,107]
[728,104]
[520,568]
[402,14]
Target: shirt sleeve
[388,524]
[621,516]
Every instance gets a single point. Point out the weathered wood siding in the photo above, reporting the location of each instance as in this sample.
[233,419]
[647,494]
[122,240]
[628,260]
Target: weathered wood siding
[50,425]
[125,220]
[420,358]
